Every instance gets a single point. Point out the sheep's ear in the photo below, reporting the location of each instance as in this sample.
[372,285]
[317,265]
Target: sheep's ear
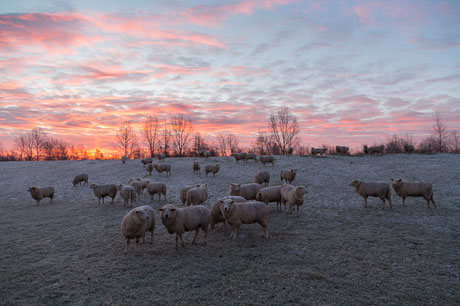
[392,180]
[399,180]
[161,209]
[173,209]
[221,202]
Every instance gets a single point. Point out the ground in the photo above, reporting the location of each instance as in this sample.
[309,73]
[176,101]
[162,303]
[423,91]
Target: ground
[336,252]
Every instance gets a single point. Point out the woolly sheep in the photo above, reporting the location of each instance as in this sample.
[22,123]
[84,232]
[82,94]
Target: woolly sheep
[293,196]
[38,193]
[136,223]
[138,187]
[102,191]
[78,179]
[374,149]
[408,148]
[236,214]
[156,188]
[196,167]
[161,157]
[183,192]
[288,175]
[239,156]
[204,153]
[316,151]
[162,168]
[267,159]
[270,194]
[196,195]
[342,150]
[247,191]
[373,189]
[147,160]
[413,189]
[149,169]
[263,177]
[211,168]
[216,211]
[124,158]
[127,192]
[144,182]
[250,156]
[179,220]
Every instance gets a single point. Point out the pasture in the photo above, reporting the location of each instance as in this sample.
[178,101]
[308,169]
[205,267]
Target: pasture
[336,252]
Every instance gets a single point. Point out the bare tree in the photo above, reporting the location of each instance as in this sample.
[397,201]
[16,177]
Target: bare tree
[222,145]
[440,133]
[37,137]
[165,137]
[49,148]
[232,143]
[181,128]
[24,145]
[199,143]
[454,142]
[150,131]
[126,139]
[284,128]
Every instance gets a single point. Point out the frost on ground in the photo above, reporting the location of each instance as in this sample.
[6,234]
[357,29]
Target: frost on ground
[336,252]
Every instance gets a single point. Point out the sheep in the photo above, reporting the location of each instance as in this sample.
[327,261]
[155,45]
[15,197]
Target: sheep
[144,182]
[293,196]
[197,195]
[270,194]
[161,156]
[342,150]
[236,214]
[136,223]
[263,177]
[204,153]
[179,220]
[216,211]
[267,159]
[250,156]
[147,160]
[374,149]
[239,156]
[124,158]
[373,189]
[211,168]
[78,179]
[149,169]
[162,168]
[196,167]
[138,187]
[316,151]
[154,188]
[247,191]
[127,192]
[288,175]
[408,148]
[413,189]
[183,192]
[38,193]
[102,191]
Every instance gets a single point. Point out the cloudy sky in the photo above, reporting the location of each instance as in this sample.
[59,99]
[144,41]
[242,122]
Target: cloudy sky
[353,72]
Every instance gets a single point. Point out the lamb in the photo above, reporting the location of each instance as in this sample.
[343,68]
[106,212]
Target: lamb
[78,179]
[204,153]
[373,189]
[216,211]
[179,220]
[342,150]
[250,156]
[263,177]
[162,168]
[127,192]
[236,214]
[196,167]
[161,157]
[374,149]
[408,148]
[102,191]
[38,193]
[316,151]
[413,189]
[154,188]
[147,160]
[211,168]
[293,196]
[239,156]
[149,169]
[247,191]
[138,187]
[270,194]
[183,192]
[288,175]
[136,223]
[124,158]
[267,159]
[197,195]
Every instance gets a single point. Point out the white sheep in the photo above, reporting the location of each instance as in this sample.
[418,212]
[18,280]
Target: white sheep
[342,150]
[179,220]
[147,160]
[239,156]
[267,159]
[124,158]
[288,175]
[211,168]
[247,191]
[183,192]
[127,192]
[374,149]
[144,182]
[270,194]
[196,167]
[138,187]
[161,157]
[154,188]
[102,191]
[293,196]
[38,193]
[316,151]
[204,153]
[250,156]
[373,189]
[136,223]
[197,195]
[216,211]
[263,177]
[413,189]
[149,169]
[162,168]
[80,178]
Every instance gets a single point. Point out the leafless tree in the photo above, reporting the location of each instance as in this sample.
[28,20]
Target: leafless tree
[23,144]
[49,148]
[165,137]
[284,128]
[440,133]
[37,137]
[454,142]
[264,143]
[126,139]
[181,128]
[222,145]
[199,143]
[150,131]
[232,143]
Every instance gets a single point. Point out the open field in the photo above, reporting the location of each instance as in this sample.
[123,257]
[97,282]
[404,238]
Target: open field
[336,252]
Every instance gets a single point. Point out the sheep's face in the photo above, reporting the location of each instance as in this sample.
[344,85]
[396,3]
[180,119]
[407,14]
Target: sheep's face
[168,214]
[32,189]
[92,186]
[396,183]
[235,189]
[293,171]
[300,191]
[142,215]
[227,207]
[355,184]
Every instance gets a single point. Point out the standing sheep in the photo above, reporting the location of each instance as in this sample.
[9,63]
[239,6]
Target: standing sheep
[144,182]
[196,167]
[373,189]
[293,196]
[216,209]
[183,193]
[267,159]
[288,175]
[147,160]
[211,168]
[408,148]
[204,153]
[263,177]
[342,150]
[38,193]
[136,223]
[102,191]
[179,220]
[149,169]
[270,194]
[162,168]
[316,151]
[161,157]
[374,149]
[156,188]
[138,187]
[245,213]
[250,156]
[239,156]
[197,195]
[247,191]
[124,158]
[413,189]
[127,192]
[78,179]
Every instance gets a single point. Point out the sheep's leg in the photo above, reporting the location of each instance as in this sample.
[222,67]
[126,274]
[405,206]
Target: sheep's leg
[432,201]
[126,246]
[365,202]
[383,203]
[404,202]
[265,231]
[428,203]
[181,240]
[298,210]
[177,239]
[389,203]
[196,235]
[113,200]
[137,244]
[151,236]
[234,233]
[205,235]
[38,202]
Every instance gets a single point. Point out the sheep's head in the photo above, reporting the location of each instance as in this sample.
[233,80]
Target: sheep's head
[300,191]
[235,188]
[396,183]
[227,206]
[92,186]
[32,189]
[141,214]
[168,214]
[355,184]
[293,171]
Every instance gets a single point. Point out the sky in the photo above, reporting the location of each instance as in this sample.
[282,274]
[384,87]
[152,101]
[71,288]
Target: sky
[353,72]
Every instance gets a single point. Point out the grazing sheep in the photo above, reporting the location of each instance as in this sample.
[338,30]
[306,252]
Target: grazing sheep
[263,177]
[136,223]
[293,196]
[250,156]
[183,193]
[236,214]
[408,148]
[413,189]
[197,195]
[342,150]
[156,188]
[247,191]
[162,168]
[270,194]
[147,160]
[196,167]
[373,189]
[38,193]
[267,159]
[78,179]
[239,156]
[161,157]
[138,187]
[374,149]
[102,191]
[179,220]
[127,192]
[288,175]
[316,151]
[124,158]
[149,169]
[204,153]
[216,211]
[211,168]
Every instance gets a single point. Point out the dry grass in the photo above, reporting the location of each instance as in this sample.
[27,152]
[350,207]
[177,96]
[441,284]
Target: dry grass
[336,252]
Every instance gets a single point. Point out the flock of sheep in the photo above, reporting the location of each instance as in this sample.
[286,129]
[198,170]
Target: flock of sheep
[245,204]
